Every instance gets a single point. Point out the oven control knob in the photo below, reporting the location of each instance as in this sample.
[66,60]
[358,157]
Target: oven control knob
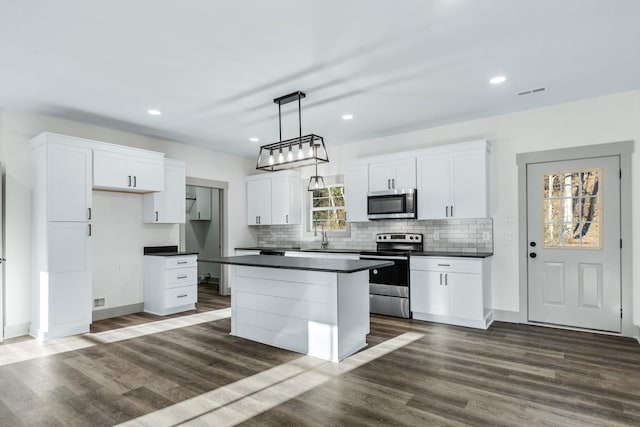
[410,237]
[374,271]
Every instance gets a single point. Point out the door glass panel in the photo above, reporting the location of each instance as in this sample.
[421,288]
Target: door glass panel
[571,209]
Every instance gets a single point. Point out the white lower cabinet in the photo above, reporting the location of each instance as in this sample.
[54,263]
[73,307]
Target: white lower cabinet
[452,290]
[170,283]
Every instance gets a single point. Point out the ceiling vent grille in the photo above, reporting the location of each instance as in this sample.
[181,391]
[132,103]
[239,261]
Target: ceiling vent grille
[532,91]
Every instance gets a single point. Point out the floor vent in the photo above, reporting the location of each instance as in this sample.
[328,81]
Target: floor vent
[532,91]
[98,302]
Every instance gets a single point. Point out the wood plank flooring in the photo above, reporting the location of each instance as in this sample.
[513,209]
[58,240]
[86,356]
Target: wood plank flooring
[508,375]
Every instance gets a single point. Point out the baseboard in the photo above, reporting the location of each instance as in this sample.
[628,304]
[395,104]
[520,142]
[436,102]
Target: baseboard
[636,332]
[13,331]
[108,313]
[506,316]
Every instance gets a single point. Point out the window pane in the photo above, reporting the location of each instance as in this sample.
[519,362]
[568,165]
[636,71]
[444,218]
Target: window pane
[571,209]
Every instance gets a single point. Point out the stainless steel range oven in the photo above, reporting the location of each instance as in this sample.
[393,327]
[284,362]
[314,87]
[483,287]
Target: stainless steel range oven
[389,286]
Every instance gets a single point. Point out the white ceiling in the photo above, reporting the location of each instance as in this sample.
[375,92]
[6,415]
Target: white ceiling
[214,67]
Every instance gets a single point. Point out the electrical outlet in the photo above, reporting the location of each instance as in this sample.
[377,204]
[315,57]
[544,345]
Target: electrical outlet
[98,302]
[436,235]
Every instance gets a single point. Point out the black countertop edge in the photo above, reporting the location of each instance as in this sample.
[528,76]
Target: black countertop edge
[171,254]
[454,254]
[295,263]
[358,251]
[303,249]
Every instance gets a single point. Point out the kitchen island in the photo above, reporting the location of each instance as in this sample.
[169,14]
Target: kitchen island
[318,307]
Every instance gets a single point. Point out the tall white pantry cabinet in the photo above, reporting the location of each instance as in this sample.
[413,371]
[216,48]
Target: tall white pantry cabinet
[61,173]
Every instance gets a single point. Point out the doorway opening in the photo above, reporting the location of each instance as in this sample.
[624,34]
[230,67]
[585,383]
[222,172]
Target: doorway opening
[204,231]
[575,271]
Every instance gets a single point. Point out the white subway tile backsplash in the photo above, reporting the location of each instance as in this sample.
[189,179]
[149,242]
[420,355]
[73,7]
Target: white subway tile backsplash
[454,235]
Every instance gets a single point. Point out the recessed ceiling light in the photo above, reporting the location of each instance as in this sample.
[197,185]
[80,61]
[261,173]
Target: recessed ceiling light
[154,112]
[254,139]
[347,116]
[497,80]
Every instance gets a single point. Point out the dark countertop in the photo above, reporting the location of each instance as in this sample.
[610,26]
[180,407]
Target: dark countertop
[357,251]
[454,254]
[303,249]
[171,253]
[295,263]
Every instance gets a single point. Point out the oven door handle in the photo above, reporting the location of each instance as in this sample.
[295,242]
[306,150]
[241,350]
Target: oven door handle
[365,257]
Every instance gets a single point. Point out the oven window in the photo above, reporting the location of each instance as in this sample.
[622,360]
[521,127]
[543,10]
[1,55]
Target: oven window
[386,204]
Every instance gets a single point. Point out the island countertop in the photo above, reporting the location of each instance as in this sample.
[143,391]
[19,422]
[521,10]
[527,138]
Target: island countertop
[294,263]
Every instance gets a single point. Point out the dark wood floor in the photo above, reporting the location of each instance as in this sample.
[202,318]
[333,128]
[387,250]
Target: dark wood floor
[508,375]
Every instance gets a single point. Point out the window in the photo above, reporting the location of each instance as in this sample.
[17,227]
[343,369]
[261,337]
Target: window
[327,209]
[572,212]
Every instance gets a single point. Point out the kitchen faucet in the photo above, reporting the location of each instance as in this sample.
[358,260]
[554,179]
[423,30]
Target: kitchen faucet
[325,240]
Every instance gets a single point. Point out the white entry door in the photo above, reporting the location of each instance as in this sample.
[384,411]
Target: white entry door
[573,232]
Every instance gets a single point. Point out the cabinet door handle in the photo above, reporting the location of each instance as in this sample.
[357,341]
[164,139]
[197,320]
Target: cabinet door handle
[182,277]
[445,279]
[198,215]
[287,219]
[156,216]
[444,265]
[393,183]
[182,262]
[440,279]
[129,180]
[447,211]
[135,181]
[182,296]
[89,229]
[388,184]
[452,210]
[258,219]
[89,212]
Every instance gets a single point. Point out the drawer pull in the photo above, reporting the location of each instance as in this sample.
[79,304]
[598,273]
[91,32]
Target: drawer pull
[182,262]
[444,265]
[182,277]
[182,296]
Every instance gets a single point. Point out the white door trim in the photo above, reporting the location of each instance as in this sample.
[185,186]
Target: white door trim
[624,150]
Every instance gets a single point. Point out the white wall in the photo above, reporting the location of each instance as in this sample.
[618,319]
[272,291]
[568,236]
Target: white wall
[19,127]
[593,121]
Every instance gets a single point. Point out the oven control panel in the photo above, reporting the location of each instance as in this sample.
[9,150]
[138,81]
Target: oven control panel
[399,237]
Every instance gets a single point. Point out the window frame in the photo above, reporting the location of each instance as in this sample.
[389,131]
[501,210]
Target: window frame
[330,181]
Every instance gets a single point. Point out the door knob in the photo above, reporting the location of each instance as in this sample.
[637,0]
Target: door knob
[532,244]
[532,255]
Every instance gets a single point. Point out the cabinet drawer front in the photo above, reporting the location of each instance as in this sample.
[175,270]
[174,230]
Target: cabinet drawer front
[181,277]
[180,261]
[458,265]
[175,297]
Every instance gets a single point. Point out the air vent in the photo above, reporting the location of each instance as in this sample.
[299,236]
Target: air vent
[532,91]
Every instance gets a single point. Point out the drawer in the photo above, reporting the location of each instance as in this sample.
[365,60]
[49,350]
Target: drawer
[175,297]
[457,265]
[181,277]
[180,261]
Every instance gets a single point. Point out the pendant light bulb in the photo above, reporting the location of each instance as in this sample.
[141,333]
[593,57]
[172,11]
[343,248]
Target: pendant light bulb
[280,157]
[311,149]
[317,183]
[290,155]
[271,157]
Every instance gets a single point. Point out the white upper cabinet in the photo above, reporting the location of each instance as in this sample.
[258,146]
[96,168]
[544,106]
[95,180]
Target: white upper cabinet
[125,169]
[274,198]
[259,201]
[69,183]
[392,175]
[201,208]
[168,206]
[356,185]
[453,182]
[286,202]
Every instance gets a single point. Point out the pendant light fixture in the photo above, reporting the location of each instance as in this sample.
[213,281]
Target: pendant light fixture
[304,150]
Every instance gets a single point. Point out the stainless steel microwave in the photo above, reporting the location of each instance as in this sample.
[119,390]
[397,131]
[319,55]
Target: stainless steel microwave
[392,204]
